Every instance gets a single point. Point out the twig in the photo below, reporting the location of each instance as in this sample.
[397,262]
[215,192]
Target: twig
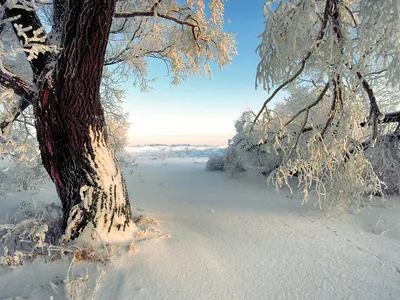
[299,134]
[21,106]
[303,64]
[351,15]
[153,8]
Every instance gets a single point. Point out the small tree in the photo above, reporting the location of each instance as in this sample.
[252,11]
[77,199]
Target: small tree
[63,84]
[338,61]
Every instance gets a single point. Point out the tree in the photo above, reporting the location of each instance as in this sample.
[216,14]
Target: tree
[338,130]
[63,85]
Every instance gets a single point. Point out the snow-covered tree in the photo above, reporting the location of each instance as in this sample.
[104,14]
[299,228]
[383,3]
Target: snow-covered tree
[338,130]
[59,74]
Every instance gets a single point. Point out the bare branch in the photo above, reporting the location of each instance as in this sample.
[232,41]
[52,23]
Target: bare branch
[376,72]
[119,30]
[392,117]
[153,8]
[159,54]
[351,15]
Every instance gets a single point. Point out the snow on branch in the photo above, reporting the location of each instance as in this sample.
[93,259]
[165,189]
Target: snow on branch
[192,24]
[261,76]
[375,113]
[9,81]
[281,86]
[186,35]
[22,104]
[18,85]
[30,32]
[321,132]
[34,43]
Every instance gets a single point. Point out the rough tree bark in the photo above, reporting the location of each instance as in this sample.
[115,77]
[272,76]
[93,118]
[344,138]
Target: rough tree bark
[70,122]
[71,126]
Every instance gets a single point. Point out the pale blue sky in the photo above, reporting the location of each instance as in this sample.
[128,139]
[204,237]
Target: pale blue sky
[201,107]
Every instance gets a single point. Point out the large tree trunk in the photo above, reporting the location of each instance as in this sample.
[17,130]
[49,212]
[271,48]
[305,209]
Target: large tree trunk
[71,127]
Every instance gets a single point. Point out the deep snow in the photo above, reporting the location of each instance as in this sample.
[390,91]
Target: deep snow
[226,238]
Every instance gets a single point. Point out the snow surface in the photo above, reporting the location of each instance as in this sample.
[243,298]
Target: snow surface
[230,239]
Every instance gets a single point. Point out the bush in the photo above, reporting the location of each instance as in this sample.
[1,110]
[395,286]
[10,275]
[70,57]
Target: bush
[233,161]
[215,163]
[34,230]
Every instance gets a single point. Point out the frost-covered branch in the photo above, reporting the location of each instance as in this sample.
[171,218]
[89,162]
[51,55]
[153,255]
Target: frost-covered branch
[25,91]
[281,86]
[375,113]
[191,23]
[318,40]
[307,108]
[354,47]
[117,58]
[18,85]
[30,32]
[185,35]
[21,105]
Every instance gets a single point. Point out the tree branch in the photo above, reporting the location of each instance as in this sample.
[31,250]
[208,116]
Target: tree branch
[18,85]
[299,134]
[321,95]
[117,58]
[351,15]
[337,98]
[375,113]
[20,88]
[153,8]
[320,36]
[302,65]
[28,19]
[21,106]
[376,72]
[153,14]
[60,13]
[120,29]
[393,117]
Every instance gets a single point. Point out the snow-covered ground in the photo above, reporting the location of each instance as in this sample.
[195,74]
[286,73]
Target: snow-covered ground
[224,238]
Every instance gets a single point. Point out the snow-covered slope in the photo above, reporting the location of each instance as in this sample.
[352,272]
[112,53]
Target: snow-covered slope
[225,238]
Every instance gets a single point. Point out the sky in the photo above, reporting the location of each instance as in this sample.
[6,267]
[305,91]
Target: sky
[202,111]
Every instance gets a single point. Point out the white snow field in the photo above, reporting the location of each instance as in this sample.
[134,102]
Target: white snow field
[223,238]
